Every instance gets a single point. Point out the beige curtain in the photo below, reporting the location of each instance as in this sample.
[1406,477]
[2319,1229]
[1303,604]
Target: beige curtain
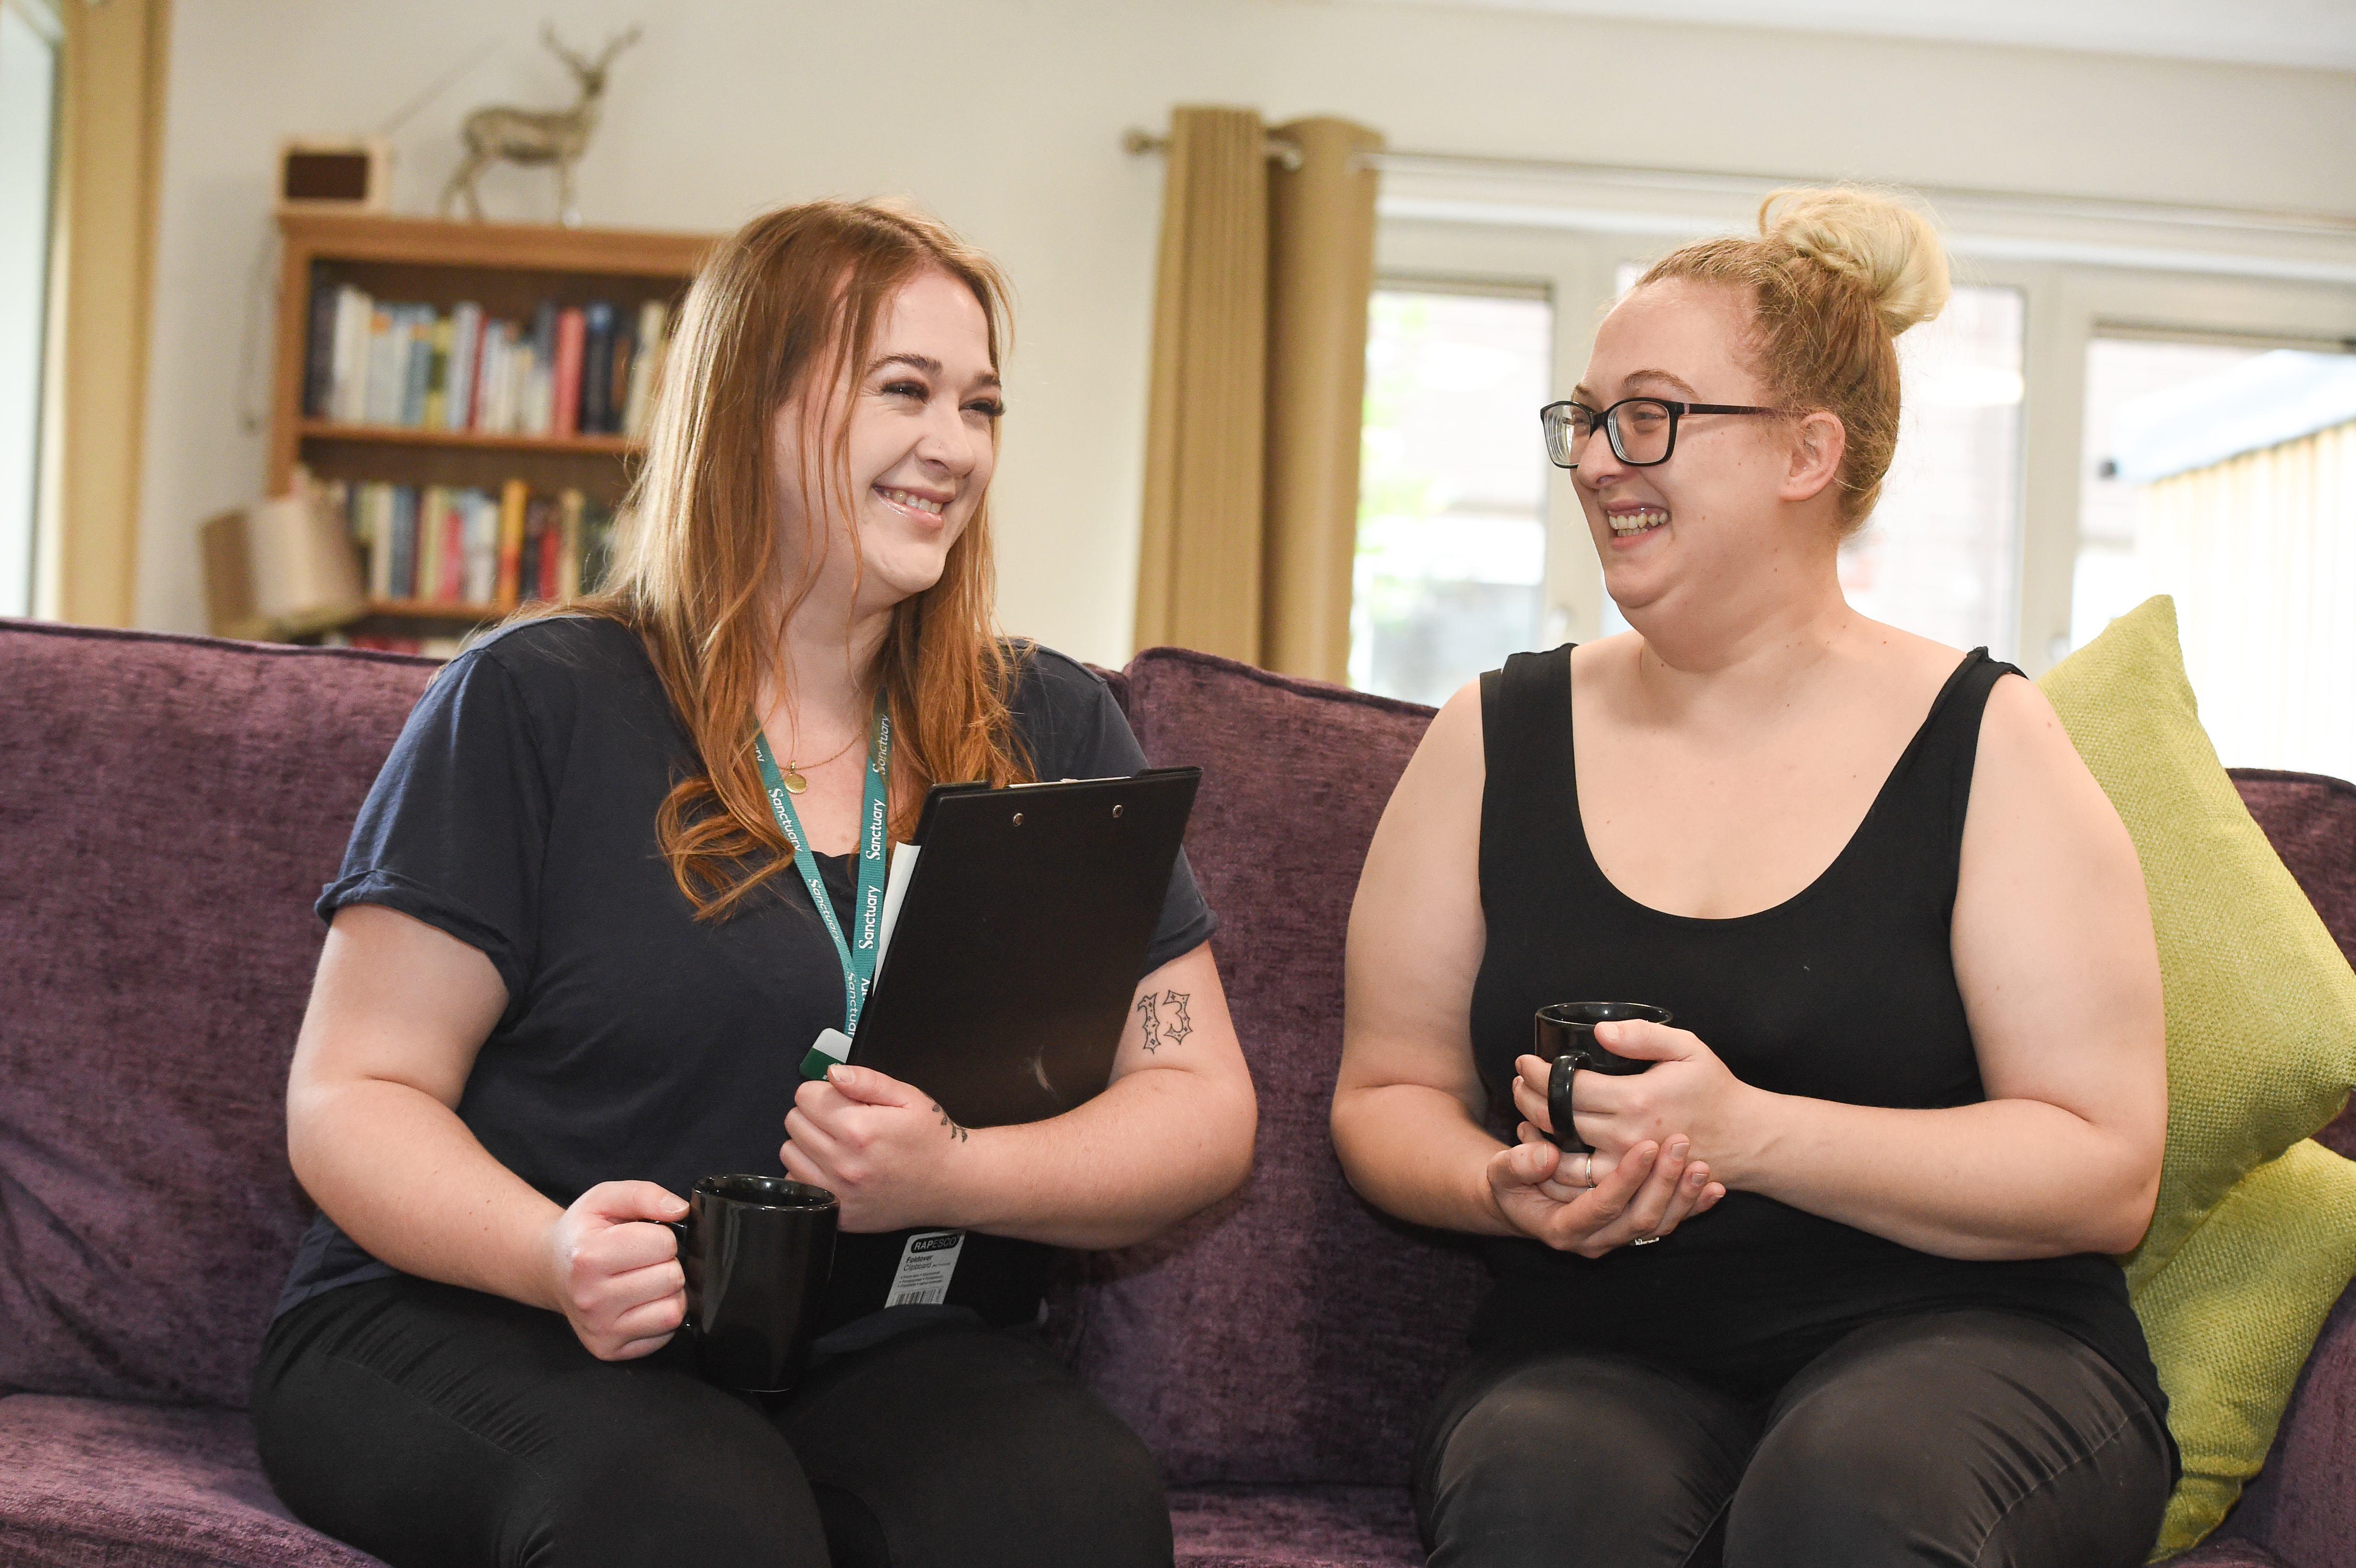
[1260,350]
[2260,553]
[109,159]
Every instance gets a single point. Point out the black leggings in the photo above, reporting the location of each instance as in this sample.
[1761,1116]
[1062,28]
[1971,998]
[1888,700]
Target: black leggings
[434,1425]
[1961,1438]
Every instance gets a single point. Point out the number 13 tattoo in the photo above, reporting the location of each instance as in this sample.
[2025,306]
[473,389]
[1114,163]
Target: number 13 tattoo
[1160,1030]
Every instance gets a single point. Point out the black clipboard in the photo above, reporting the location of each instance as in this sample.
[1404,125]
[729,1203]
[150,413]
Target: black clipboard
[1020,941]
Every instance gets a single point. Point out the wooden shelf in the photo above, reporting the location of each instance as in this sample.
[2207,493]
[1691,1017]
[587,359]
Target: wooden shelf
[434,610]
[495,441]
[523,247]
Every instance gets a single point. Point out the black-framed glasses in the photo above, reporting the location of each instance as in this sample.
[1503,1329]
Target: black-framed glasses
[1642,431]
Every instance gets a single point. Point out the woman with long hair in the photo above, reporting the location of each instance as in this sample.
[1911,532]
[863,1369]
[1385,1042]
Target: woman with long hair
[575,959]
[1825,1284]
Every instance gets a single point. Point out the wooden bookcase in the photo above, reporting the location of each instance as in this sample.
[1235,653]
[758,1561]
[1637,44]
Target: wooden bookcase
[508,269]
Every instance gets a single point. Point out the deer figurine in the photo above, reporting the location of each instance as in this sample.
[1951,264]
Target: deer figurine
[534,137]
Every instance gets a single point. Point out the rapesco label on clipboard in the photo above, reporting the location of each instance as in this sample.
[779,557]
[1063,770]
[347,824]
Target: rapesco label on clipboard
[926,1264]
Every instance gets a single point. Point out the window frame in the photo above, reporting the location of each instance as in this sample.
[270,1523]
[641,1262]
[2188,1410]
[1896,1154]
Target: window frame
[2067,304]
[21,578]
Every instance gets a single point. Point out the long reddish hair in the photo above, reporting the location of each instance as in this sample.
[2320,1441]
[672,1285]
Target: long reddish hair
[782,307]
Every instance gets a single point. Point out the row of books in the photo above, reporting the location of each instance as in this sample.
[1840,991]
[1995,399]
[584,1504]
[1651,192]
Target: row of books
[569,370]
[444,545]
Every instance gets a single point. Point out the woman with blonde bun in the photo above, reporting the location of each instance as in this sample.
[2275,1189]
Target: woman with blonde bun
[1832,1289]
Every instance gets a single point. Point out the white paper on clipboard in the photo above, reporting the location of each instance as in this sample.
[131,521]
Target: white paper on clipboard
[895,891]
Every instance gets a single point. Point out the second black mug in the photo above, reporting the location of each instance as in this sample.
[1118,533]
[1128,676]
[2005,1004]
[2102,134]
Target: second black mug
[757,1252]
[1565,1036]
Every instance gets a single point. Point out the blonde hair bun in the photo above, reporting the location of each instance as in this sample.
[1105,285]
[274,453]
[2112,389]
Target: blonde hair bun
[1888,246]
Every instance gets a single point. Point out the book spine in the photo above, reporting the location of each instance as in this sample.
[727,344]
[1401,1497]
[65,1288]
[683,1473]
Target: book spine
[369,524]
[382,401]
[646,366]
[376,497]
[626,356]
[487,353]
[530,408]
[429,542]
[402,536]
[466,335]
[438,373]
[571,333]
[347,401]
[499,342]
[546,537]
[339,377]
[418,365]
[511,510]
[539,407]
[596,368]
[617,385]
[570,505]
[552,549]
[319,349]
[450,587]
[512,350]
[522,375]
[482,548]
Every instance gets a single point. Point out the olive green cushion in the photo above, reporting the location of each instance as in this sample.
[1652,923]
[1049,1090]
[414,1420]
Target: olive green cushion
[2232,1316]
[2260,1005]
[2233,1278]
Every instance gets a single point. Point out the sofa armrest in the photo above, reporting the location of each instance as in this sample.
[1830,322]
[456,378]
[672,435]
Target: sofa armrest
[2302,1506]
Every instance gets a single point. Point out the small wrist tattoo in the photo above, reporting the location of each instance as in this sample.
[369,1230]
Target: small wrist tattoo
[957,1134]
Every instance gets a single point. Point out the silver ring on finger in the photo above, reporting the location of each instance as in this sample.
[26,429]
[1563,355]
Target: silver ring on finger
[1586,1171]
[1644,1241]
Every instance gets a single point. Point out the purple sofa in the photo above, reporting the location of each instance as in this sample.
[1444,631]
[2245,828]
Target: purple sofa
[169,809]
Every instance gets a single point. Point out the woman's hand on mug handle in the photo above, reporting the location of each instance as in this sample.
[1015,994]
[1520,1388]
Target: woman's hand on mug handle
[1541,1192]
[617,1281]
[1686,1090]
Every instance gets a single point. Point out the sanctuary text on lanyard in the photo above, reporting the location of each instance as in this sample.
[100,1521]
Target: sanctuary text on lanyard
[867,900]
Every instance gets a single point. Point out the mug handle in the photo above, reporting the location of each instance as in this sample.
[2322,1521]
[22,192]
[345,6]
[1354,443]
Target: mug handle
[680,1229]
[1558,1086]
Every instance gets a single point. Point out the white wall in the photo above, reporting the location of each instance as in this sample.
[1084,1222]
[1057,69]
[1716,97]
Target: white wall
[1005,116]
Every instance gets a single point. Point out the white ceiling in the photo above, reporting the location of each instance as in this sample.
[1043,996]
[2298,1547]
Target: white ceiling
[2319,34]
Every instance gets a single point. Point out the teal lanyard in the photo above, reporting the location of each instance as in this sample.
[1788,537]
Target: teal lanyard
[867,903]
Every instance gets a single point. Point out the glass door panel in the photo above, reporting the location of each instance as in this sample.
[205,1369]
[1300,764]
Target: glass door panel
[1452,557]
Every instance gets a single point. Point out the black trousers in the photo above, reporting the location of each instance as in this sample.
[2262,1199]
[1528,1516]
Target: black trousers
[434,1425]
[1964,1438]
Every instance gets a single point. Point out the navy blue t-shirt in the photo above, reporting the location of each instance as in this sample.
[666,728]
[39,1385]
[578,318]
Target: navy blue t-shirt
[517,813]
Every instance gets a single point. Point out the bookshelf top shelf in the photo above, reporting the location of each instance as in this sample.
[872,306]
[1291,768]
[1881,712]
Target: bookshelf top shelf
[530,247]
[497,441]
[434,610]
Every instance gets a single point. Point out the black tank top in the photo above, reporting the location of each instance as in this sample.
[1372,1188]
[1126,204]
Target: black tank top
[1847,991]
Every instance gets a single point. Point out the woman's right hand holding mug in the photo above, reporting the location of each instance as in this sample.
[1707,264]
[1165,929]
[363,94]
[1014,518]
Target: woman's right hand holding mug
[618,1281]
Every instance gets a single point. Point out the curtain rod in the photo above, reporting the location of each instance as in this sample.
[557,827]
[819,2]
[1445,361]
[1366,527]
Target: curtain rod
[1282,151]
[1743,182]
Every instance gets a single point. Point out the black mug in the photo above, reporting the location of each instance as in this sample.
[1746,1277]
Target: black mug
[757,1252]
[1565,1036]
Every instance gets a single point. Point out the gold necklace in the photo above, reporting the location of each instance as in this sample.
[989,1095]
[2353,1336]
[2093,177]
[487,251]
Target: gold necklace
[794,782]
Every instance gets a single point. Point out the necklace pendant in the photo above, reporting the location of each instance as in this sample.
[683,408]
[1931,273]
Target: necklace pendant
[794,782]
